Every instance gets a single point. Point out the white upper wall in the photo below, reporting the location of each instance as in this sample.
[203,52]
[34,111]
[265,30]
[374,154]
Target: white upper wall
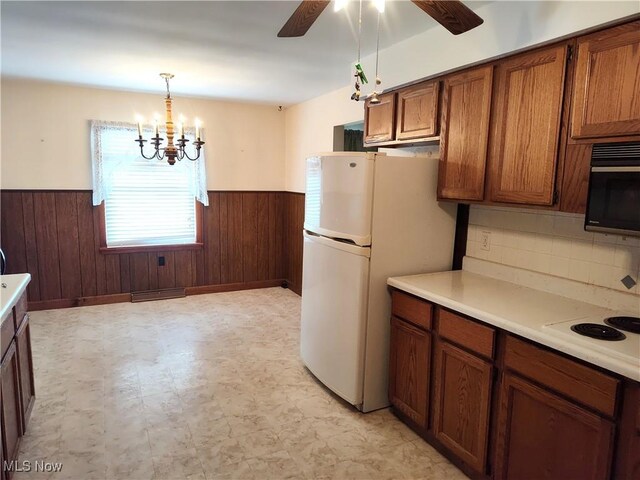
[508,26]
[45,135]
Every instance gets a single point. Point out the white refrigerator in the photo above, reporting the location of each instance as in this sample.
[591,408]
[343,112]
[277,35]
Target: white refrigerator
[368,216]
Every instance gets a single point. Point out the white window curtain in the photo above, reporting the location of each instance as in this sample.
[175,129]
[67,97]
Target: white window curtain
[114,152]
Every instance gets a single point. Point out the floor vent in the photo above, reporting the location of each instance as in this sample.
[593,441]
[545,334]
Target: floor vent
[163,294]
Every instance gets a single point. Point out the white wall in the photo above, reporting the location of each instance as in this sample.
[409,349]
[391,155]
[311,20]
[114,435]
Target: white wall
[508,26]
[45,135]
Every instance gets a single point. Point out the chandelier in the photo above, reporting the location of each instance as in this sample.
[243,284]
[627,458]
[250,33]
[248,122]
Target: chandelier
[171,151]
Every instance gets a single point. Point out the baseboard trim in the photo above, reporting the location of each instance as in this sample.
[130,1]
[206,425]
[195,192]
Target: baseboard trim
[232,287]
[126,297]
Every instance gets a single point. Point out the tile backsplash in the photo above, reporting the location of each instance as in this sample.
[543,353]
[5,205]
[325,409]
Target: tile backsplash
[554,243]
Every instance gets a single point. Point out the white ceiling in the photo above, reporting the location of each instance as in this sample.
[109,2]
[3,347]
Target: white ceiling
[220,49]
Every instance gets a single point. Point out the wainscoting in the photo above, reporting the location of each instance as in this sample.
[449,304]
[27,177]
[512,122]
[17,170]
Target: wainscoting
[251,240]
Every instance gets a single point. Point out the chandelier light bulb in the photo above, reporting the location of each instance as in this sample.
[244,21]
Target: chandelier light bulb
[198,125]
[139,121]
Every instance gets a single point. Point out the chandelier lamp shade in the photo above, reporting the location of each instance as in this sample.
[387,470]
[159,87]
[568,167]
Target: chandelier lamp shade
[172,151]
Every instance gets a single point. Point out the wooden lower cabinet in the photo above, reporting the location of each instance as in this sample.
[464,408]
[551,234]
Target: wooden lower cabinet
[461,404]
[542,435]
[549,417]
[11,411]
[627,461]
[25,367]
[409,365]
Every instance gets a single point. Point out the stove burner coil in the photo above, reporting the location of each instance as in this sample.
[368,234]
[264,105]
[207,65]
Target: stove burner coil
[596,330]
[628,324]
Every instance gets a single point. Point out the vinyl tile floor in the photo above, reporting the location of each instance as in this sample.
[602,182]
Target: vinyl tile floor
[203,387]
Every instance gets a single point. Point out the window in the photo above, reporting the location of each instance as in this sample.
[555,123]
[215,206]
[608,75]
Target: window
[147,203]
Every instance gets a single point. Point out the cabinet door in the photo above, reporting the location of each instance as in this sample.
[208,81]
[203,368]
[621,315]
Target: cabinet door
[379,119]
[11,418]
[525,133]
[461,403]
[465,134]
[541,435]
[25,366]
[606,98]
[628,447]
[409,365]
[417,111]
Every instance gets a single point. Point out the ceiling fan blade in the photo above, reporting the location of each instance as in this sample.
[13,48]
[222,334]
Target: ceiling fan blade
[453,15]
[302,19]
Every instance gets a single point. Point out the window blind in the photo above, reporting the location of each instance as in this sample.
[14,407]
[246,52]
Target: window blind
[147,202]
[150,203]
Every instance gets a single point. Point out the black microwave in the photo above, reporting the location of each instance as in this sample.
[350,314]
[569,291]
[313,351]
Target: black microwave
[613,203]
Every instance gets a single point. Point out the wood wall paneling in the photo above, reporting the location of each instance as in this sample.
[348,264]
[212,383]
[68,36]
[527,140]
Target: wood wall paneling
[211,273]
[30,246]
[44,209]
[68,245]
[249,238]
[294,223]
[87,244]
[262,236]
[11,218]
[277,263]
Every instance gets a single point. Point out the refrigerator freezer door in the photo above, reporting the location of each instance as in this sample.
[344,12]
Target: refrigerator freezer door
[334,312]
[339,196]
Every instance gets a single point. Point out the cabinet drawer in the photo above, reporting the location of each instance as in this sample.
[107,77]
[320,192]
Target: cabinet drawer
[7,331]
[466,333]
[411,309]
[20,309]
[583,384]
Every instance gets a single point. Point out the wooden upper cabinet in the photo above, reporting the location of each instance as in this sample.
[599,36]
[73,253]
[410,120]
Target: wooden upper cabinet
[465,132]
[541,435]
[606,95]
[379,119]
[525,126]
[417,111]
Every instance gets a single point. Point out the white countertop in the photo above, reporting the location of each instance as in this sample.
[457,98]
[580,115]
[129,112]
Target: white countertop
[527,312]
[9,295]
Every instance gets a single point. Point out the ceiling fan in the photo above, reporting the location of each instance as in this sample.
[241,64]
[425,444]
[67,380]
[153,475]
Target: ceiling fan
[453,15]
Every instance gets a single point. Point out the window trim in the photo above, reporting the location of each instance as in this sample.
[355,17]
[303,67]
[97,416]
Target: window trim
[198,245]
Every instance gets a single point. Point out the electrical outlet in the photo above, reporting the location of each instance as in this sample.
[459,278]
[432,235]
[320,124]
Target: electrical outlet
[485,241]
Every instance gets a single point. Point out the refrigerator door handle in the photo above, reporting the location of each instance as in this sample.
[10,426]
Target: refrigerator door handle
[338,245]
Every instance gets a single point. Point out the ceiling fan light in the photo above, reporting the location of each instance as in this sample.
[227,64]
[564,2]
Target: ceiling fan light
[380,4]
[339,5]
